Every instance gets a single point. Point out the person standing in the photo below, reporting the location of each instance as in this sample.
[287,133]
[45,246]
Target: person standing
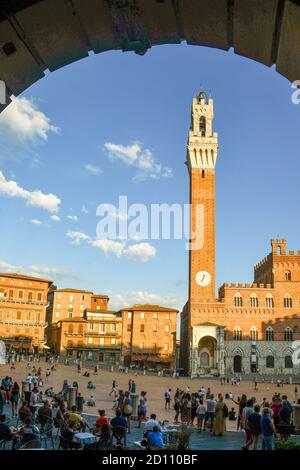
[201,412]
[220,419]
[254,424]
[127,409]
[267,430]
[247,411]
[168,398]
[14,398]
[210,412]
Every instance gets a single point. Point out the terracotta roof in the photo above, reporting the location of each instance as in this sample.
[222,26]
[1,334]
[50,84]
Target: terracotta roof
[94,310]
[149,308]
[70,289]
[100,296]
[24,276]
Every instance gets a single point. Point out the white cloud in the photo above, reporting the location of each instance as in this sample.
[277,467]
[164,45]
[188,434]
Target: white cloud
[36,198]
[50,271]
[126,299]
[55,218]
[10,268]
[93,169]
[84,210]
[72,217]
[77,237]
[24,122]
[109,246]
[140,251]
[142,159]
[36,222]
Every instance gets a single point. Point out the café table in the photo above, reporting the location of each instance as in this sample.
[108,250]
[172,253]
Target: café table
[85,438]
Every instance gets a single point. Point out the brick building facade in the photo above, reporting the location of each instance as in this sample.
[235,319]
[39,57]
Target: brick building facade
[249,328]
[23,301]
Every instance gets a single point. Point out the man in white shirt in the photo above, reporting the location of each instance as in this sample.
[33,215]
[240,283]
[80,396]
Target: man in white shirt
[29,378]
[211,404]
[151,423]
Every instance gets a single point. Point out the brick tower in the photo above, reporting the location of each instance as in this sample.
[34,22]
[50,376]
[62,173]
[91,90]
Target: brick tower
[202,150]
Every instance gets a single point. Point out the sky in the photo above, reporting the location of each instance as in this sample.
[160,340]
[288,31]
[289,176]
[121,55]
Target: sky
[116,124]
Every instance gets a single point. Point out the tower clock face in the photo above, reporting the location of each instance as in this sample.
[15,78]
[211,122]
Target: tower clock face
[203,278]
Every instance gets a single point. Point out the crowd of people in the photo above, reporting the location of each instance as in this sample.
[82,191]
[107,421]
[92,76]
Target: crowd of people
[201,410]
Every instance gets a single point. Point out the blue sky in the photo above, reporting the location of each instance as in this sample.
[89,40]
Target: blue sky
[53,140]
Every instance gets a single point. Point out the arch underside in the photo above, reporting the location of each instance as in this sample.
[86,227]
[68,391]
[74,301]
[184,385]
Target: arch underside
[40,35]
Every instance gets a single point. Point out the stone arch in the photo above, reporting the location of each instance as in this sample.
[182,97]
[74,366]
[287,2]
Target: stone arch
[35,37]
[237,352]
[207,347]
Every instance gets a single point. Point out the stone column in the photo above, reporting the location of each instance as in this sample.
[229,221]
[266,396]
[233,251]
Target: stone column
[220,350]
[134,397]
[71,397]
[296,410]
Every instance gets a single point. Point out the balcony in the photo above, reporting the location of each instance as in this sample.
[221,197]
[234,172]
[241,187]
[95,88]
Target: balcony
[13,300]
[32,323]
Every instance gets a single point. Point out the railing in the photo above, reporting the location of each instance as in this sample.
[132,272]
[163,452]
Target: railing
[23,301]
[24,323]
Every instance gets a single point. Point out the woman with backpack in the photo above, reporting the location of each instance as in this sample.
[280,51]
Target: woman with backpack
[127,409]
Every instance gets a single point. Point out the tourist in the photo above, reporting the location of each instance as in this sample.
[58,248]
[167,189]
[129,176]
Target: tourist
[60,414]
[40,398]
[90,385]
[155,439]
[232,415]
[127,408]
[96,370]
[142,408]
[247,411]
[114,389]
[276,407]
[102,418]
[119,420]
[177,409]
[185,410]
[151,423]
[201,412]
[168,398]
[208,393]
[241,402]
[76,386]
[254,425]
[91,401]
[33,400]
[267,430]
[6,384]
[75,420]
[285,420]
[80,402]
[24,411]
[220,418]
[49,392]
[193,405]
[210,412]
[6,432]
[2,399]
[14,398]
[133,387]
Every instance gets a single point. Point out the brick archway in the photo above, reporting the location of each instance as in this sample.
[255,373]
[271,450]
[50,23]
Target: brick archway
[40,35]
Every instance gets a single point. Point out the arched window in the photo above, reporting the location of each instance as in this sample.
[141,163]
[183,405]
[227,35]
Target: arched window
[69,344]
[270,362]
[288,334]
[288,301]
[288,362]
[238,300]
[80,329]
[254,301]
[70,329]
[279,250]
[269,334]
[288,276]
[269,301]
[237,334]
[253,333]
[202,125]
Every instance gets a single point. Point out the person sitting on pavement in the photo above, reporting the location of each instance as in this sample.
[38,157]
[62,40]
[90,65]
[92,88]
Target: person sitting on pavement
[91,401]
[49,392]
[232,415]
[91,386]
[155,439]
